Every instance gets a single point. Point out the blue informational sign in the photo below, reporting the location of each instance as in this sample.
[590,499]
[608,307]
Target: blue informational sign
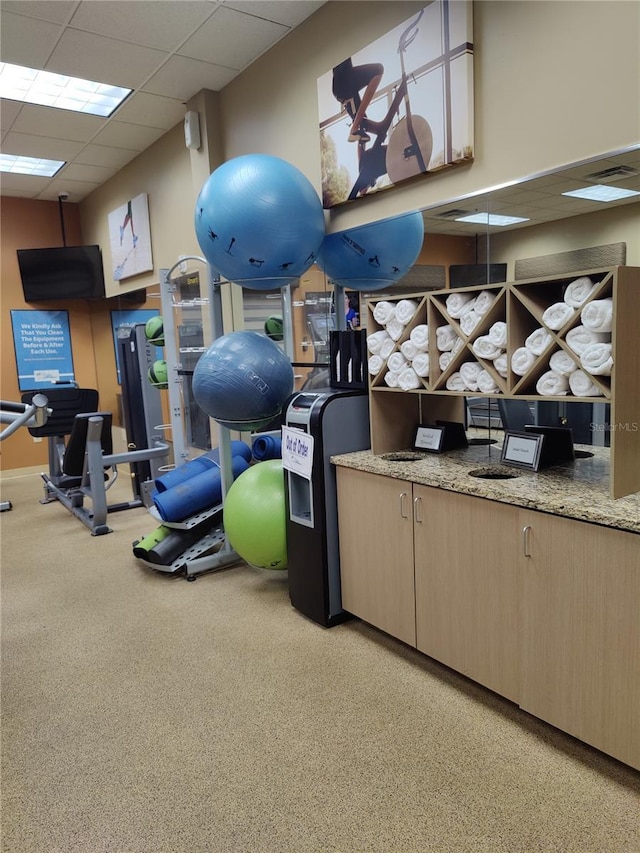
[123,321]
[42,345]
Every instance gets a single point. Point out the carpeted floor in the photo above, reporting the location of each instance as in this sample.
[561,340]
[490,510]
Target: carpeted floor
[145,714]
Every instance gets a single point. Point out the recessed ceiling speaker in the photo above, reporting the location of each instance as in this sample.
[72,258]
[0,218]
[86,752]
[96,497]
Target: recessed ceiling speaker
[192,130]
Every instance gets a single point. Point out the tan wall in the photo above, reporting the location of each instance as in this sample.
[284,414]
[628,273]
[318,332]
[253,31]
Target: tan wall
[550,90]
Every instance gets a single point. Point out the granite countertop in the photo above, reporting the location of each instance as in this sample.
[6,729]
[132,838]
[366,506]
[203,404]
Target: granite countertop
[577,489]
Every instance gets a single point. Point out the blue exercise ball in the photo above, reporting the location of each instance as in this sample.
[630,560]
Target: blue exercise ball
[259,221]
[242,380]
[374,256]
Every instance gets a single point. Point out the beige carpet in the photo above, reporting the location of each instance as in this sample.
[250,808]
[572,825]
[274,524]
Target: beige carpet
[144,714]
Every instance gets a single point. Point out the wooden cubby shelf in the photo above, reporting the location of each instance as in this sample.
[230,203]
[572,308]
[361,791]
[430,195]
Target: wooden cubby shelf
[521,306]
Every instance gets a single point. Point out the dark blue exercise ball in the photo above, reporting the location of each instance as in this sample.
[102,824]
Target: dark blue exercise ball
[259,221]
[374,256]
[242,380]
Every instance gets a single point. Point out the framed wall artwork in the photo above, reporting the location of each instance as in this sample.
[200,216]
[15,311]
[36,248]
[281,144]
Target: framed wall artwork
[130,238]
[400,107]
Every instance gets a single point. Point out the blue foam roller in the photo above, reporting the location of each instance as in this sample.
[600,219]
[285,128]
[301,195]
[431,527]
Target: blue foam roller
[267,447]
[238,448]
[183,473]
[196,494]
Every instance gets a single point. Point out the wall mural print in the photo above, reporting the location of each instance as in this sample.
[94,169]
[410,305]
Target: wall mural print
[130,238]
[400,107]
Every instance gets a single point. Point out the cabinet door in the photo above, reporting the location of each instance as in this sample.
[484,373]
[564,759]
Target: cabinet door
[468,586]
[581,632]
[376,551]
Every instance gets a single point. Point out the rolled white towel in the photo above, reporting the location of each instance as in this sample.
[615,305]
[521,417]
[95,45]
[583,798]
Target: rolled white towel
[484,301]
[375,340]
[538,341]
[562,363]
[421,363]
[484,347]
[375,364]
[522,361]
[582,385]
[409,350]
[469,371]
[458,344]
[597,316]
[395,329]
[443,360]
[578,291]
[420,336]
[469,321]
[486,383]
[551,384]
[557,315]
[391,379]
[446,336]
[396,362]
[383,312]
[579,338]
[459,303]
[387,347]
[406,310]
[498,334]
[501,364]
[409,379]
[596,359]
[455,382]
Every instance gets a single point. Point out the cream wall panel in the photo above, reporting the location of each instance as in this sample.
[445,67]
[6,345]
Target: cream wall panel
[164,173]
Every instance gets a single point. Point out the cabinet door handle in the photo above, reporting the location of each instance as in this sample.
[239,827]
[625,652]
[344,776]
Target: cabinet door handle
[526,543]
[403,508]
[417,504]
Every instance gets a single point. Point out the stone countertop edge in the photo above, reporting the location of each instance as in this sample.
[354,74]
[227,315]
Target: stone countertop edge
[578,490]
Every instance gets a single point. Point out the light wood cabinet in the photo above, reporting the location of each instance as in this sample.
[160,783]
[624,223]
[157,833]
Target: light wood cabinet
[376,551]
[468,586]
[521,307]
[542,609]
[580,635]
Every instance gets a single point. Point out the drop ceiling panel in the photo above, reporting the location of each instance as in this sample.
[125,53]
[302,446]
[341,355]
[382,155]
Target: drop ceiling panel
[28,145]
[232,39]
[93,174]
[43,10]
[24,186]
[104,60]
[279,11]
[154,23]
[101,155]
[180,77]
[121,134]
[25,41]
[48,122]
[151,111]
[77,189]
[8,113]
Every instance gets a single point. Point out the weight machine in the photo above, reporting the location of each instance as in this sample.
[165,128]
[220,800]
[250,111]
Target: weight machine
[17,415]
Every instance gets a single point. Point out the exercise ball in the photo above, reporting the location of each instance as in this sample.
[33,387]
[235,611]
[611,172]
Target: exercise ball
[254,515]
[242,380]
[374,256]
[274,327]
[154,331]
[158,375]
[259,221]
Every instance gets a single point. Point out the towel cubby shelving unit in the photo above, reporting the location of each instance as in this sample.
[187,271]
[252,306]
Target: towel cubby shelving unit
[521,305]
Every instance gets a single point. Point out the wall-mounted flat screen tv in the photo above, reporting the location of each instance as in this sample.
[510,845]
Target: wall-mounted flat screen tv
[61,272]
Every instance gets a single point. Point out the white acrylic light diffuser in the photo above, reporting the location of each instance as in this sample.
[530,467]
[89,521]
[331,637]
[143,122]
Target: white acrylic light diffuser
[46,89]
[491,219]
[600,192]
[37,166]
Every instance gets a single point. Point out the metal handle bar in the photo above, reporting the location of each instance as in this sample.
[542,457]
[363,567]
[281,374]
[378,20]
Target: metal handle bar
[17,415]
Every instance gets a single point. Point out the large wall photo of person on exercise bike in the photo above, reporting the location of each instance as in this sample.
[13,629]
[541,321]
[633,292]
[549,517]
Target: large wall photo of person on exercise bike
[400,107]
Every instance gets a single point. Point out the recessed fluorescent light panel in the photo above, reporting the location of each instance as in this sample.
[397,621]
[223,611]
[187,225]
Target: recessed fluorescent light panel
[600,192]
[29,165]
[57,90]
[491,219]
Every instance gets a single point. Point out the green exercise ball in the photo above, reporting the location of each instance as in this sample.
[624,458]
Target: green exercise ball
[255,515]
[157,374]
[154,331]
[274,328]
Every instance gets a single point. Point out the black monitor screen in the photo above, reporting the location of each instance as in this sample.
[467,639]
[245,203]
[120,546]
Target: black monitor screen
[62,272]
[321,325]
